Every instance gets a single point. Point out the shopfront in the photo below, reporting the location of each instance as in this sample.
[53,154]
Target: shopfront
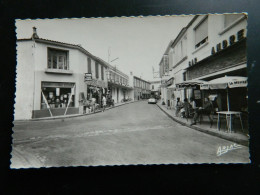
[57,98]
[58,95]
[96,89]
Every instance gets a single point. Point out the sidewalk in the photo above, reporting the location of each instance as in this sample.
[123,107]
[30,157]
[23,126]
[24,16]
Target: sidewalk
[77,115]
[238,137]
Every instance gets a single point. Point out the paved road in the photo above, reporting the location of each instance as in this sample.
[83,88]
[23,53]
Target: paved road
[137,133]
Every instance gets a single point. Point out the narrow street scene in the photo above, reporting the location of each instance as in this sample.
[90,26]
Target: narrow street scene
[133,90]
[136,133]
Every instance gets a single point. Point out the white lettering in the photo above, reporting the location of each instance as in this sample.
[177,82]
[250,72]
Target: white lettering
[224,149]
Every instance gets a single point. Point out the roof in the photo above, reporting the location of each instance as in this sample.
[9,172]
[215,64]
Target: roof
[68,45]
[141,79]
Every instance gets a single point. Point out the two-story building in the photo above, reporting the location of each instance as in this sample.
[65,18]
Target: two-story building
[118,84]
[155,88]
[141,88]
[51,78]
[209,47]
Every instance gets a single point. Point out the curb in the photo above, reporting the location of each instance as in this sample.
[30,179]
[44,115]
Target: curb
[71,116]
[239,141]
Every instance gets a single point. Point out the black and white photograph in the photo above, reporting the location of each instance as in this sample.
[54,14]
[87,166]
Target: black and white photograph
[141,90]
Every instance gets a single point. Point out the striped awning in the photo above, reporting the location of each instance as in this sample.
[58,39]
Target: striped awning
[190,84]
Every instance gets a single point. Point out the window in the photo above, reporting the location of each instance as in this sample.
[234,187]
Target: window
[152,86]
[184,76]
[89,65]
[102,72]
[201,33]
[97,73]
[57,59]
[230,18]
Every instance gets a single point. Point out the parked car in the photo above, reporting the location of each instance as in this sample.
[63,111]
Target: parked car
[152,100]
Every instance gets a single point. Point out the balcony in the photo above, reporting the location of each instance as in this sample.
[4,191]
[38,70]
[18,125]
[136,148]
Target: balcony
[58,71]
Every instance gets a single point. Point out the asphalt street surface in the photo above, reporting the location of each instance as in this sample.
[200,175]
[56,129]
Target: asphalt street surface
[135,133]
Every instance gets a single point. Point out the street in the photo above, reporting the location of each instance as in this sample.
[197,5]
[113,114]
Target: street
[135,133]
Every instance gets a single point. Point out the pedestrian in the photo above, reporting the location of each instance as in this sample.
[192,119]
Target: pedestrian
[208,110]
[195,110]
[179,106]
[93,103]
[185,108]
[104,103]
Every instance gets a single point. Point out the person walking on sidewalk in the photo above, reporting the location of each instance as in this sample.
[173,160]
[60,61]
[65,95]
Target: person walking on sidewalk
[104,103]
[195,110]
[208,110]
[179,106]
[185,109]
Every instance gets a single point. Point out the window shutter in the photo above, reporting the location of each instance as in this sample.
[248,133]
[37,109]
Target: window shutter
[201,32]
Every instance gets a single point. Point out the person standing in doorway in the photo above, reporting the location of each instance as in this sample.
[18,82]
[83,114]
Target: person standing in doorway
[104,103]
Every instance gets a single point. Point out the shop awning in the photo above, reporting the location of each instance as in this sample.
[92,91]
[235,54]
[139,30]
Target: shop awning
[225,82]
[190,84]
[118,85]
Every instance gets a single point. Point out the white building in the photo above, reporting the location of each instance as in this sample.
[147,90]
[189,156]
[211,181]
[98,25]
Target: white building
[53,72]
[209,47]
[155,87]
[118,85]
[141,88]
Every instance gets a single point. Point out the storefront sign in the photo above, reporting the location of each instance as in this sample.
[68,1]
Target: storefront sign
[169,82]
[234,84]
[57,85]
[88,77]
[204,86]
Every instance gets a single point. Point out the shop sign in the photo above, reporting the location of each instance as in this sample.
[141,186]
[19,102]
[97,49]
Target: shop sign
[57,85]
[88,77]
[204,86]
[234,84]
[169,82]
[224,44]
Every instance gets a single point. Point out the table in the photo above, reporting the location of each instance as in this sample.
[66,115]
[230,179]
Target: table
[229,119]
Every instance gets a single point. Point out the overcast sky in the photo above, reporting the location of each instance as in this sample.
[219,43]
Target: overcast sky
[138,42]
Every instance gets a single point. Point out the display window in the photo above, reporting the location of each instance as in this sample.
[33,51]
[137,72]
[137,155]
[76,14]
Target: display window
[58,97]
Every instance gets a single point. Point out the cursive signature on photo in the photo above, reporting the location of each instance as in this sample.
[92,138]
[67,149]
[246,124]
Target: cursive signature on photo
[224,149]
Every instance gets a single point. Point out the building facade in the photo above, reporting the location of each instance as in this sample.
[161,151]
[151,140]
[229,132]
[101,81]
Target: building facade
[50,78]
[155,88]
[118,85]
[209,47]
[141,88]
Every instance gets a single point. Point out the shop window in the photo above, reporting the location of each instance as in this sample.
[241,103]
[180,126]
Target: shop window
[57,95]
[58,59]
[230,18]
[97,73]
[89,65]
[201,33]
[102,72]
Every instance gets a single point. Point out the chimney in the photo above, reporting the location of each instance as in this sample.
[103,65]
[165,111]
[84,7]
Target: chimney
[131,73]
[34,35]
